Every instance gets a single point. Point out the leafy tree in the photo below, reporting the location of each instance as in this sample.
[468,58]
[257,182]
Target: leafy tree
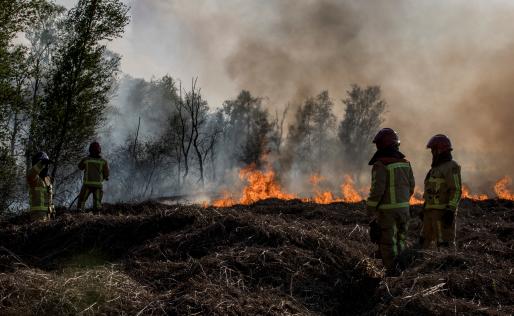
[81,80]
[309,136]
[247,130]
[363,116]
[15,17]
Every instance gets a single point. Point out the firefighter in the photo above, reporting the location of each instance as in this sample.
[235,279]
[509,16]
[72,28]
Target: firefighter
[40,188]
[96,170]
[392,185]
[442,195]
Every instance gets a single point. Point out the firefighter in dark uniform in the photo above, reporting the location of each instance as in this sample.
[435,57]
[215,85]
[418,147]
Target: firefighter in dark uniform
[40,188]
[392,185]
[442,195]
[96,170]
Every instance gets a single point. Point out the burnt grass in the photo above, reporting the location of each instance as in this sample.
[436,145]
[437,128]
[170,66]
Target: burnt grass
[271,258]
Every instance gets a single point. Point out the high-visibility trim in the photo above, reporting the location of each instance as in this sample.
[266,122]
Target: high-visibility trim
[392,206]
[435,206]
[42,205]
[100,164]
[456,197]
[392,186]
[39,208]
[93,182]
[398,165]
[392,189]
[437,180]
[371,203]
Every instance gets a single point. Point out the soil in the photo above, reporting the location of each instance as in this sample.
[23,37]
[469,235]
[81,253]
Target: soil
[270,258]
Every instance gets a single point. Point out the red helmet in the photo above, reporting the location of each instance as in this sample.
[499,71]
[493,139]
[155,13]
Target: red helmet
[440,143]
[386,137]
[94,148]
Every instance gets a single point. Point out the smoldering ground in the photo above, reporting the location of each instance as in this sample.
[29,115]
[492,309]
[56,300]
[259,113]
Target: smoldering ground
[444,67]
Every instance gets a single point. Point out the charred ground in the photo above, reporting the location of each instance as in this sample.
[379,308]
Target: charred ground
[273,257]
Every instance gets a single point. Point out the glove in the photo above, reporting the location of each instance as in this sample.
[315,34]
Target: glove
[448,217]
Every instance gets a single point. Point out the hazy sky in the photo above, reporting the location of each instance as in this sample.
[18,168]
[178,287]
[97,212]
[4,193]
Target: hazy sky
[444,66]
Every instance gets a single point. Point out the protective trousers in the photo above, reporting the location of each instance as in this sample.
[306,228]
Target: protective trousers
[84,194]
[436,231]
[393,224]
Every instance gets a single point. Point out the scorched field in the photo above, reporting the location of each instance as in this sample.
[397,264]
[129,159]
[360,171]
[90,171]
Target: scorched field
[273,257]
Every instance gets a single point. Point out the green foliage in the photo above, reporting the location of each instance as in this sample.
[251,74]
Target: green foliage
[8,179]
[364,114]
[247,129]
[309,136]
[80,81]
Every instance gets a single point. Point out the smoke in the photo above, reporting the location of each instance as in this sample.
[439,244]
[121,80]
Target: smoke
[443,66]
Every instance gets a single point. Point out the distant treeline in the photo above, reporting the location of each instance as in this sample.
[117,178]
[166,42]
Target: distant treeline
[58,81]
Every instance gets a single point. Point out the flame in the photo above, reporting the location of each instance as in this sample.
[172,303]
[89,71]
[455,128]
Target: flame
[466,194]
[417,197]
[350,194]
[323,198]
[501,188]
[226,201]
[261,185]
[320,197]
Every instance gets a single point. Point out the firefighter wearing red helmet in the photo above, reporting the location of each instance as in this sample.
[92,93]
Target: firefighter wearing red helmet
[442,195]
[392,185]
[96,170]
[40,188]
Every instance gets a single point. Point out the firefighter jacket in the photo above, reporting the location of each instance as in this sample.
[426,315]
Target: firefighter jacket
[96,170]
[40,190]
[392,185]
[443,186]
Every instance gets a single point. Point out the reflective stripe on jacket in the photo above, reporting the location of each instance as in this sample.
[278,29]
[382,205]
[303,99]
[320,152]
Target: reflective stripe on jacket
[96,171]
[391,186]
[443,187]
[40,190]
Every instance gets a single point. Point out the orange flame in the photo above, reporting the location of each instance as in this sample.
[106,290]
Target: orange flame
[261,185]
[417,197]
[466,194]
[350,194]
[501,188]
[226,201]
[320,197]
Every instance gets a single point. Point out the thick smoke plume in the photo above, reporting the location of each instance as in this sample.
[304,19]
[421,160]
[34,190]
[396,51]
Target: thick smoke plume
[443,66]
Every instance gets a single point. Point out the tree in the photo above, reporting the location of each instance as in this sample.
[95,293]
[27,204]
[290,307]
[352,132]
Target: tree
[15,17]
[363,116]
[80,81]
[247,132]
[310,134]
